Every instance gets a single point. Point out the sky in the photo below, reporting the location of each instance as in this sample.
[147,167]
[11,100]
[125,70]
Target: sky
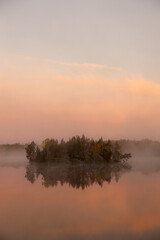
[79,67]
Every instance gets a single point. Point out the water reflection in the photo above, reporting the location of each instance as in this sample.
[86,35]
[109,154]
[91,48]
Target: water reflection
[127,210]
[75,175]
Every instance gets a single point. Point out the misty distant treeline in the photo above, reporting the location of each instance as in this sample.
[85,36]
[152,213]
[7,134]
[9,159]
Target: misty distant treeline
[76,149]
[142,147]
[12,147]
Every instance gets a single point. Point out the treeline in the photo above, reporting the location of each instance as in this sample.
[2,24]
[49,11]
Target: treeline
[76,149]
[12,147]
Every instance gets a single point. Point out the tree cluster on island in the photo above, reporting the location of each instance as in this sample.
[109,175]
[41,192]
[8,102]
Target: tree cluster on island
[76,149]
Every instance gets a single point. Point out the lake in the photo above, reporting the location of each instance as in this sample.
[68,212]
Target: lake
[119,205]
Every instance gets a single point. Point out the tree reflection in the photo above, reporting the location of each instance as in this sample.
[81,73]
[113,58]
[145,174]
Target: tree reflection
[76,175]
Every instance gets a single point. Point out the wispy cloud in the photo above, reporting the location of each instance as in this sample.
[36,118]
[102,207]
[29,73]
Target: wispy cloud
[142,87]
[75,64]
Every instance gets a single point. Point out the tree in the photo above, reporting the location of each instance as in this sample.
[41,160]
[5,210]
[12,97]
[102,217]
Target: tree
[31,152]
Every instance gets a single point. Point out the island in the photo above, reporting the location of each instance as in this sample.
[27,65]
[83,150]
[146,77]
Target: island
[76,149]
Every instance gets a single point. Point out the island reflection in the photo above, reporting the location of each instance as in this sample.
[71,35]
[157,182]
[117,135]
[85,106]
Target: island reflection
[75,175]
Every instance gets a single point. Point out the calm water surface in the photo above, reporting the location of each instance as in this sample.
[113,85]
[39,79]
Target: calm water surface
[123,205]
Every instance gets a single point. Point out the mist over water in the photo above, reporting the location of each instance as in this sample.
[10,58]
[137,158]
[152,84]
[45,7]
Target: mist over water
[114,204]
[14,158]
[145,158]
[145,155]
